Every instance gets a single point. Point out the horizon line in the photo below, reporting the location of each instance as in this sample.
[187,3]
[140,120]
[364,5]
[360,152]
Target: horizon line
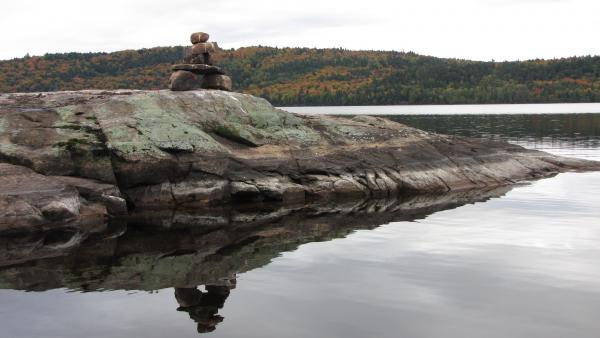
[314,48]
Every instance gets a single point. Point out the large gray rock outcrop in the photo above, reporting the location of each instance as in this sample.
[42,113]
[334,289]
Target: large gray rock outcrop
[205,147]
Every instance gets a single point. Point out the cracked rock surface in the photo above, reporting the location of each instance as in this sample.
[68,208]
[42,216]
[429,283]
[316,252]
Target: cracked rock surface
[67,158]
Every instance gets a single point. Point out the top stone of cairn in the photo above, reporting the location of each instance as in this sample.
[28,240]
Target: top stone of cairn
[199,37]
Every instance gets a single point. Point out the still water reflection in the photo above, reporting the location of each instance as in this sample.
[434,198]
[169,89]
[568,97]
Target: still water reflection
[518,262]
[576,135]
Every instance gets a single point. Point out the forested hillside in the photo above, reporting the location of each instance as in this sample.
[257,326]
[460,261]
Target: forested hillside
[302,76]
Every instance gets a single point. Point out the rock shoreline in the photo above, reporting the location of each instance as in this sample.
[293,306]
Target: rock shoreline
[75,158]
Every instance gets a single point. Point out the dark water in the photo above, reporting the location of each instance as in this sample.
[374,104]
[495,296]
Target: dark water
[575,135]
[509,262]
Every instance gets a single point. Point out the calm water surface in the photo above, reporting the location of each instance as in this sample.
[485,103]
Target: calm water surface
[520,262]
[459,109]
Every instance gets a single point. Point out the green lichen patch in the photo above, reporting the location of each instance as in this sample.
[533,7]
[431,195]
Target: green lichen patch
[302,135]
[66,113]
[151,125]
[167,130]
[239,133]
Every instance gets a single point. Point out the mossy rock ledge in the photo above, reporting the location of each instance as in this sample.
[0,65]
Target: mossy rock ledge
[77,158]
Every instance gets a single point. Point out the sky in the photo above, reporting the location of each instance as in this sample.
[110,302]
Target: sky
[468,29]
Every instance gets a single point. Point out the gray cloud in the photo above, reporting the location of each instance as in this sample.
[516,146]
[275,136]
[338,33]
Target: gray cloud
[507,29]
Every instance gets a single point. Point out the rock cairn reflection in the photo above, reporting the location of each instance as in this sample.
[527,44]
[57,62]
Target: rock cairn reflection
[197,70]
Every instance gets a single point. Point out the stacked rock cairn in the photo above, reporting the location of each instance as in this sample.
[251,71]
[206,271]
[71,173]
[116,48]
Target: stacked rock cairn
[197,70]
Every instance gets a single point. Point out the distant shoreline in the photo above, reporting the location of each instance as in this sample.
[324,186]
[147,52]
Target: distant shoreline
[322,77]
[458,109]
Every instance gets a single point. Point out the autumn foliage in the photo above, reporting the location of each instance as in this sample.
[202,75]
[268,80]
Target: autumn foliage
[303,76]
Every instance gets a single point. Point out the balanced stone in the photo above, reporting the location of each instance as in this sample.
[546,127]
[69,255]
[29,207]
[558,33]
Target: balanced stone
[202,59]
[203,47]
[199,37]
[183,80]
[197,70]
[217,81]
[203,69]
[208,59]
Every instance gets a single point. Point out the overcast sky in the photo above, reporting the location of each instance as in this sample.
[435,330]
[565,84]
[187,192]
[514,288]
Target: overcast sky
[472,29]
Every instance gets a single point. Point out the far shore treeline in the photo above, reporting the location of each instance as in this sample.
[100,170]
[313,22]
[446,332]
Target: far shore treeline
[305,76]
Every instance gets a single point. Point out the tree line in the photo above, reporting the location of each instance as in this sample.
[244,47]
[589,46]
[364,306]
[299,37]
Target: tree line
[308,76]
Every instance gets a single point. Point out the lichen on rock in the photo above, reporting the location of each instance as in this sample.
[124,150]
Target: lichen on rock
[206,147]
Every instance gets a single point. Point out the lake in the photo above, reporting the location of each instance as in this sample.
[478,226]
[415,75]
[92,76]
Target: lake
[516,261]
[459,109]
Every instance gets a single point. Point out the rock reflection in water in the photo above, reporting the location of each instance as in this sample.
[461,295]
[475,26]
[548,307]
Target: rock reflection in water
[204,306]
[186,249]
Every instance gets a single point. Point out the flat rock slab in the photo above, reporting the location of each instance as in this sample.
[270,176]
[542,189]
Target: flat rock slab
[206,147]
[203,69]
